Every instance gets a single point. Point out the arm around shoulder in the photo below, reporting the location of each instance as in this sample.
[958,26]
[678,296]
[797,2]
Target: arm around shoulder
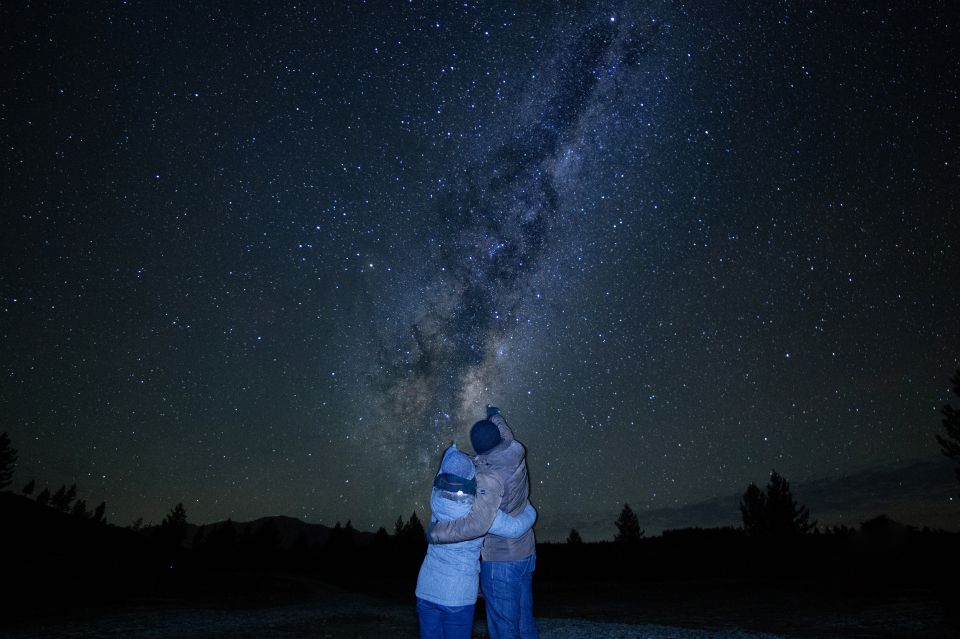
[513,527]
[478,521]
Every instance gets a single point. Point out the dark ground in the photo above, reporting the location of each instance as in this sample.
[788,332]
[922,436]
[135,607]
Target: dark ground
[293,606]
[64,577]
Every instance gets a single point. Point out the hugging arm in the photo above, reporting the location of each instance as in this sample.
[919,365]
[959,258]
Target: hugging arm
[513,527]
[478,521]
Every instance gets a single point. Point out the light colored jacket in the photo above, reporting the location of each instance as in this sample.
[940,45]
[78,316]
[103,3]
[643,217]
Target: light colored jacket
[449,575]
[504,472]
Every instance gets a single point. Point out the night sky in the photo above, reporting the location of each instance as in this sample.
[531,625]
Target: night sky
[271,258]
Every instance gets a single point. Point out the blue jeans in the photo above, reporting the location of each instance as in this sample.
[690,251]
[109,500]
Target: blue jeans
[508,591]
[444,622]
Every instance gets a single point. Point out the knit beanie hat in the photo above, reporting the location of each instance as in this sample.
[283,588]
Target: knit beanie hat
[457,473]
[456,463]
[484,436]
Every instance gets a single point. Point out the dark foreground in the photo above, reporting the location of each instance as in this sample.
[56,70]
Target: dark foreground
[63,576]
[294,607]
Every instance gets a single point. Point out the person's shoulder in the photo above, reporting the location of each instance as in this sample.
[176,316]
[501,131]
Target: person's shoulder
[488,482]
[518,448]
[514,453]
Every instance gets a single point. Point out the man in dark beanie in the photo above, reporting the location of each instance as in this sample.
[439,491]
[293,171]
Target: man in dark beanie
[507,569]
[484,436]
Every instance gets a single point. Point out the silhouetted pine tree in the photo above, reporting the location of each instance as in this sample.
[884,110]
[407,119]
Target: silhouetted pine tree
[574,538]
[63,498]
[414,530]
[785,517]
[173,528]
[348,534]
[44,497]
[80,509]
[753,509]
[950,444]
[381,539]
[334,550]
[99,513]
[335,539]
[628,527]
[30,487]
[137,524]
[774,513]
[8,460]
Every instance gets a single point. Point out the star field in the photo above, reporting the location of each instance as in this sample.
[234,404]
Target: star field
[271,259]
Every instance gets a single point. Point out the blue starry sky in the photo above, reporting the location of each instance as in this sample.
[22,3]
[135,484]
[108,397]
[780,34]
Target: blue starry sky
[271,258]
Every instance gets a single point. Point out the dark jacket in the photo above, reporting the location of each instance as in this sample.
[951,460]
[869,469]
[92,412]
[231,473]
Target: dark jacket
[505,469]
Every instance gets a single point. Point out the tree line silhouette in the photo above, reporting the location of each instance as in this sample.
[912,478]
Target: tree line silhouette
[51,542]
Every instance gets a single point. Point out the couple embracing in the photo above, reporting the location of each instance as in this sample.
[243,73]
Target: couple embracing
[479,508]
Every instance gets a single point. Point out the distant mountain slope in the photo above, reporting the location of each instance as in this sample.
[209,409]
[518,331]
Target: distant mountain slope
[290,531]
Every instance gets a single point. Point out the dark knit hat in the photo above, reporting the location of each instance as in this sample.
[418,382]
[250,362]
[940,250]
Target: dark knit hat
[484,436]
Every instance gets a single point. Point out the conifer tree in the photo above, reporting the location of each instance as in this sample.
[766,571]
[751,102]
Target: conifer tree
[950,441]
[753,509]
[336,535]
[338,540]
[80,509]
[99,513]
[414,529]
[785,517]
[8,460]
[30,487]
[59,500]
[574,538]
[173,528]
[628,527]
[44,497]
[348,534]
[774,513]
[382,538]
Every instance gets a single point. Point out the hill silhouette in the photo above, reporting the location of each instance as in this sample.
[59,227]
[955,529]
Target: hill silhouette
[50,557]
[290,531]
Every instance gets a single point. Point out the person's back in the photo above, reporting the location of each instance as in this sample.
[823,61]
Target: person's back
[507,461]
[449,573]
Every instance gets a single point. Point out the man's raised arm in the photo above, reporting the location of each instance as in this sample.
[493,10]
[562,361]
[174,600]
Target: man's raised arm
[493,415]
